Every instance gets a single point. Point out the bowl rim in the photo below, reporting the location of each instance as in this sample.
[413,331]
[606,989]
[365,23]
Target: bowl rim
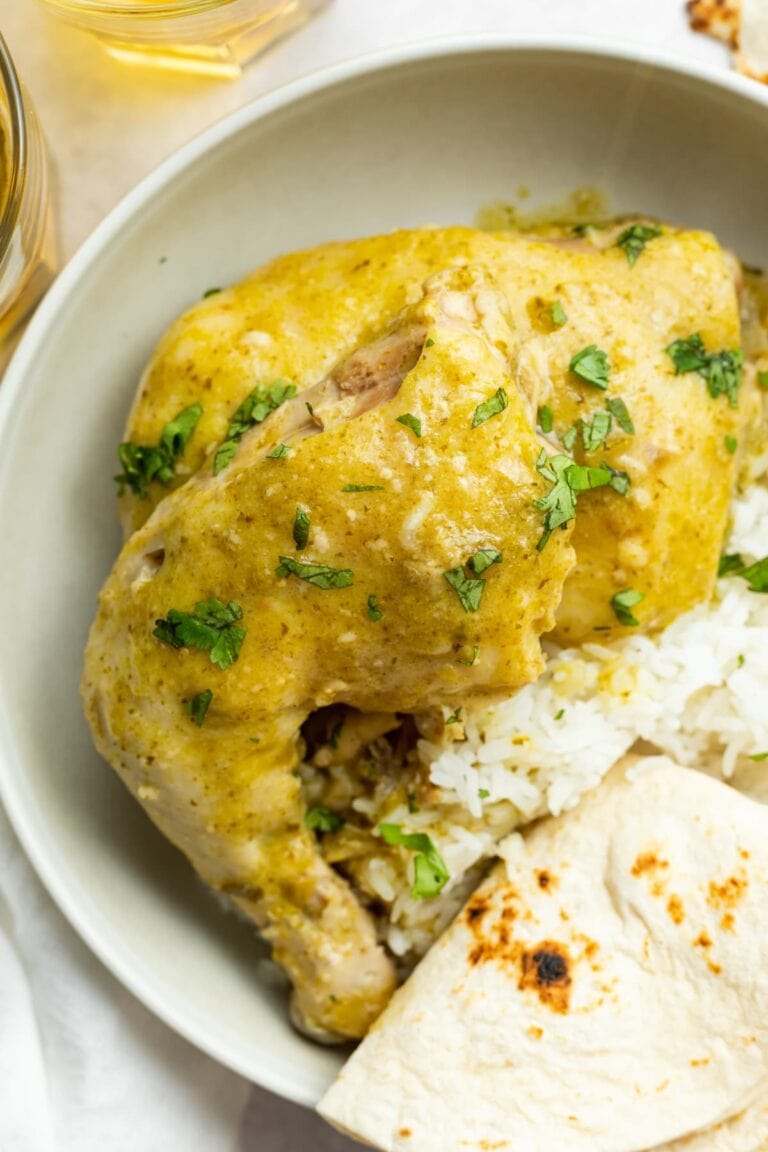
[12,394]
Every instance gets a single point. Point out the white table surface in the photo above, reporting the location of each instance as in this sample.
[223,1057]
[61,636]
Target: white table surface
[99,1073]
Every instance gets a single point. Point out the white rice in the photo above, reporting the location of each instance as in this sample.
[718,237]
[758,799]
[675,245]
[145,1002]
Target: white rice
[696,692]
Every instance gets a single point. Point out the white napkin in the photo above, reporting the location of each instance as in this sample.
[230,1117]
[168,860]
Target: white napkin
[85,1068]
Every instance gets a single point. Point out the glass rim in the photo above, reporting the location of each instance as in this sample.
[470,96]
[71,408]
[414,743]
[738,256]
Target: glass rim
[16,147]
[136,8]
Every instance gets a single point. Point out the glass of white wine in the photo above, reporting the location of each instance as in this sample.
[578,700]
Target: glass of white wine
[27,240]
[212,36]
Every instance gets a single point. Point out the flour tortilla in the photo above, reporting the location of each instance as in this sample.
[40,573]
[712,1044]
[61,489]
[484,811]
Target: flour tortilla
[605,991]
[752,57]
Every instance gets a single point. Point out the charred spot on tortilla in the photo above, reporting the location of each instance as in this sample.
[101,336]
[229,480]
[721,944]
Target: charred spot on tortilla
[728,893]
[676,909]
[648,862]
[546,970]
[545,879]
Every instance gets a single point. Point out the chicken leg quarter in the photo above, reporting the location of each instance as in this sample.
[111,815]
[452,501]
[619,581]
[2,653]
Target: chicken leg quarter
[394,505]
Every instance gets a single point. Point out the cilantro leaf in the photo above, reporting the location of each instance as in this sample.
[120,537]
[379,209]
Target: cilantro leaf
[319,819]
[731,444]
[429,869]
[143,463]
[468,589]
[211,292]
[318,575]
[730,564]
[278,452]
[568,480]
[490,407]
[545,418]
[720,370]
[301,528]
[178,432]
[623,603]
[210,628]
[374,612]
[762,379]
[483,559]
[455,717]
[363,488]
[756,575]
[569,438]
[595,434]
[410,421]
[198,706]
[620,413]
[634,239]
[591,365]
[258,404]
[558,314]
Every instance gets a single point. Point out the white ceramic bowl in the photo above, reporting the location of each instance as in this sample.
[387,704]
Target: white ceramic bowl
[424,134]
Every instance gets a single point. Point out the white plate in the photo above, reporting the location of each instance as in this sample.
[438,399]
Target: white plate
[424,134]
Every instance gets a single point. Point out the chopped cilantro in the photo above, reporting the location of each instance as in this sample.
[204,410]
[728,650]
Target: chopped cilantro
[258,404]
[545,418]
[483,559]
[410,421]
[455,717]
[430,872]
[569,439]
[470,663]
[319,575]
[595,434]
[634,239]
[568,480]
[212,628]
[730,564]
[428,342]
[211,292]
[756,575]
[731,443]
[759,756]
[412,805]
[143,463]
[197,707]
[301,528]
[762,379]
[468,589]
[363,488]
[591,365]
[277,453]
[374,612]
[622,604]
[559,715]
[620,413]
[558,314]
[490,407]
[319,819]
[483,793]
[720,370]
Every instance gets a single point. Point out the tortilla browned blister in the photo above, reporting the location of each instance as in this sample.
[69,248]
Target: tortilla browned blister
[742,24]
[605,990]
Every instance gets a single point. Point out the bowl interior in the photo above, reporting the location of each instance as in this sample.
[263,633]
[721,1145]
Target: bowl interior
[428,139]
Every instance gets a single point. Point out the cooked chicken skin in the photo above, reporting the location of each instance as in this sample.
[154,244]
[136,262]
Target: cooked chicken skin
[234,806]
[304,312]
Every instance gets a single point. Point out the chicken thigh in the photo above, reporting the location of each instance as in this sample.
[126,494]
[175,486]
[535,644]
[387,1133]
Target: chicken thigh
[371,541]
[669,431]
